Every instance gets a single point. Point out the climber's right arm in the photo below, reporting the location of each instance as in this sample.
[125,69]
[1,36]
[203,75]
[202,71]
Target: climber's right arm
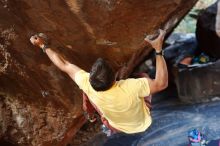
[62,63]
[56,58]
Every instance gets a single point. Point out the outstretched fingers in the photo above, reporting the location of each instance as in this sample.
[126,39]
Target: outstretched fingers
[162,33]
[147,40]
[36,40]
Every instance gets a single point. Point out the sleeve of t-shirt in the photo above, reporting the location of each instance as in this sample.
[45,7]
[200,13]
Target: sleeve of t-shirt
[144,89]
[82,79]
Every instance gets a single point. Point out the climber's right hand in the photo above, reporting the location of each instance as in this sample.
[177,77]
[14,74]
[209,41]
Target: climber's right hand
[37,41]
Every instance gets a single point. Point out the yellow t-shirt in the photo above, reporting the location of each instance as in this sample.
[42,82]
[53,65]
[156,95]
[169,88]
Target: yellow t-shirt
[123,104]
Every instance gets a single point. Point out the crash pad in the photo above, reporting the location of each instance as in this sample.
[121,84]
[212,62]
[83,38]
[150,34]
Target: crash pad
[172,120]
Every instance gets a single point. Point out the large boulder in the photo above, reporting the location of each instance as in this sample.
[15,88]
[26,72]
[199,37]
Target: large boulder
[40,105]
[199,84]
[208,30]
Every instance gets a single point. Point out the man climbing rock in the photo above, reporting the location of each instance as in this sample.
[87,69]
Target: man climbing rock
[120,103]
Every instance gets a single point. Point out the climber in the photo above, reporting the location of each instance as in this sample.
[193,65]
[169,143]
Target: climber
[120,103]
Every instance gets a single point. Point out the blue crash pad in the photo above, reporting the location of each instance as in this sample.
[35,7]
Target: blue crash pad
[171,122]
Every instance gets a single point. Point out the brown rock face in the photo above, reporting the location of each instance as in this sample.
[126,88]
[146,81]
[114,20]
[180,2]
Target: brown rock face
[40,105]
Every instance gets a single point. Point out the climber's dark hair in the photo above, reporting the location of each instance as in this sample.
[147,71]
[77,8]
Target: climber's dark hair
[102,75]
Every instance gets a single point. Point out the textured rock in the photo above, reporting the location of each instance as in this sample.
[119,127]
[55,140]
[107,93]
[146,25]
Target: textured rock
[208,30]
[39,104]
[199,84]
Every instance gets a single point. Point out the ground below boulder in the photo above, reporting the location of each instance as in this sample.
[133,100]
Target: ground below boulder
[172,121]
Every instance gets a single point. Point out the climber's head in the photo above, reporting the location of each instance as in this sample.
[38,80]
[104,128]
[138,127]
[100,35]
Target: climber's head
[102,75]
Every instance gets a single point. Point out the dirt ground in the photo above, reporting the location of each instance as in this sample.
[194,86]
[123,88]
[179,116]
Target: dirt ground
[88,131]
